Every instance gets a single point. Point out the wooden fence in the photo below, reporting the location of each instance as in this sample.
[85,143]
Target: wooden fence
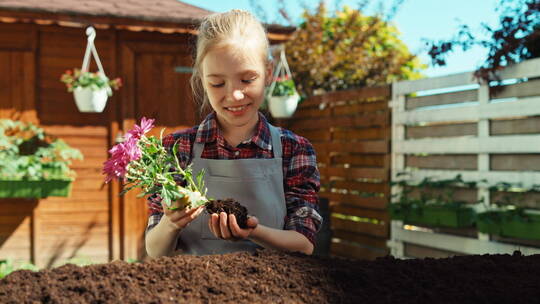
[350,131]
[451,125]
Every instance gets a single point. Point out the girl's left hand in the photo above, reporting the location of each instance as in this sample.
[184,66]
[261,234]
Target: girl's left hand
[225,227]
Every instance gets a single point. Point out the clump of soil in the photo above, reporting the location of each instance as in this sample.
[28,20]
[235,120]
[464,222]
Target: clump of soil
[275,277]
[229,206]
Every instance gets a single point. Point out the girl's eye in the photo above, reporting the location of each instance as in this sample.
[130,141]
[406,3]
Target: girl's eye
[248,80]
[219,85]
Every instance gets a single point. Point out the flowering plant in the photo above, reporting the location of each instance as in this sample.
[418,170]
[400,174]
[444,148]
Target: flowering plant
[27,152]
[143,162]
[284,87]
[95,81]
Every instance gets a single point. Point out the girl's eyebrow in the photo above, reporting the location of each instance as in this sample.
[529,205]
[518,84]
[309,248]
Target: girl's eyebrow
[240,73]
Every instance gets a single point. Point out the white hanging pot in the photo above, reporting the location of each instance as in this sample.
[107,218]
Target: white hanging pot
[283,106]
[89,100]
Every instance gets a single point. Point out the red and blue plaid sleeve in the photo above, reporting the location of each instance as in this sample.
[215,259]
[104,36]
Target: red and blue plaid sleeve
[301,185]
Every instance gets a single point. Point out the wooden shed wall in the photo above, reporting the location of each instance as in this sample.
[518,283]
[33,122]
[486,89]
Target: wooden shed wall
[94,222]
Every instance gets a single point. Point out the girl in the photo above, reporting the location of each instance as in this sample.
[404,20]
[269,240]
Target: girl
[269,170]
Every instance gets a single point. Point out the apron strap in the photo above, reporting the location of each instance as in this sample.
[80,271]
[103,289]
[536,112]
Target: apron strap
[197,149]
[276,141]
[274,133]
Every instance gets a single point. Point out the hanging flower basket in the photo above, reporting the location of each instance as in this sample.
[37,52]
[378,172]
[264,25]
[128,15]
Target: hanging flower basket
[282,97]
[34,189]
[90,90]
[283,106]
[88,100]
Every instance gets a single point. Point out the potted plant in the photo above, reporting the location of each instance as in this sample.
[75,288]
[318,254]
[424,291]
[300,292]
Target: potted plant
[505,218]
[438,211]
[142,162]
[90,90]
[283,97]
[33,164]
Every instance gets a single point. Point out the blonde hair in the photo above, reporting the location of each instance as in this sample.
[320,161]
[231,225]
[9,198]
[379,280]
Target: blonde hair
[216,30]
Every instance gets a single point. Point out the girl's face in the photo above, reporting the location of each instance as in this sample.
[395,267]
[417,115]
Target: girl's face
[234,79]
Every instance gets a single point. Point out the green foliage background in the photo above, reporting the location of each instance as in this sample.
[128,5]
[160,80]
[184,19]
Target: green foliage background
[347,50]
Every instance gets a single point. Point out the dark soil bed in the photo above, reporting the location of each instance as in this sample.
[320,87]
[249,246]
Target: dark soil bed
[272,277]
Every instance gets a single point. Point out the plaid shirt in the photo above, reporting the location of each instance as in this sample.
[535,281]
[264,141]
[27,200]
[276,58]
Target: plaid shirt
[301,176]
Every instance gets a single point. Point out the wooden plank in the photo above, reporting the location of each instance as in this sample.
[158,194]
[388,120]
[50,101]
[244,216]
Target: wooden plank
[18,37]
[5,85]
[65,112]
[355,173]
[359,186]
[525,69]
[441,99]
[83,196]
[362,160]
[525,242]
[421,252]
[316,135]
[359,227]
[356,252]
[360,107]
[361,134]
[63,206]
[355,94]
[441,130]
[525,178]
[13,220]
[381,215]
[524,89]
[528,199]
[458,244]
[93,230]
[304,112]
[83,131]
[515,126]
[15,206]
[74,219]
[65,63]
[113,129]
[458,194]
[463,162]
[517,108]
[365,146]
[358,201]
[515,162]
[368,120]
[365,240]
[464,145]
[432,83]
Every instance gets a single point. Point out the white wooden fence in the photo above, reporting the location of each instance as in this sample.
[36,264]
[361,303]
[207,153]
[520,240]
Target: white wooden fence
[465,131]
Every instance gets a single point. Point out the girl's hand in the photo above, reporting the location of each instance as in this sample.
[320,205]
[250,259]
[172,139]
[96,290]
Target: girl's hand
[225,227]
[179,219]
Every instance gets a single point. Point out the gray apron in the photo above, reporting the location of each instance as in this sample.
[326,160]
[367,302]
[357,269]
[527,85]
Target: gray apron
[255,183]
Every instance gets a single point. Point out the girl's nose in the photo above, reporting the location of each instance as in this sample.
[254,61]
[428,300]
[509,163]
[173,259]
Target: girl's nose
[238,95]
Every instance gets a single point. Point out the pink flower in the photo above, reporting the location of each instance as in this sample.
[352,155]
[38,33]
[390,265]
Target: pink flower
[121,155]
[138,131]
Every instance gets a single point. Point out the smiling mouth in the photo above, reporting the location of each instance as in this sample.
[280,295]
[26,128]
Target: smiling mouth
[236,109]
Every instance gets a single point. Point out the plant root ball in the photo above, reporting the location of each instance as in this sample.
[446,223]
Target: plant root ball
[229,206]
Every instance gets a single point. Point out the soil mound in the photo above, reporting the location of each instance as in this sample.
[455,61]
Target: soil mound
[274,277]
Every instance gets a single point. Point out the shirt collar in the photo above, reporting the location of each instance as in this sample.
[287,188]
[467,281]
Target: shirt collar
[209,132]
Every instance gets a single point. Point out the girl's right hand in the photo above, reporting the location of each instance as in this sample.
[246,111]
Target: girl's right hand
[179,219]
